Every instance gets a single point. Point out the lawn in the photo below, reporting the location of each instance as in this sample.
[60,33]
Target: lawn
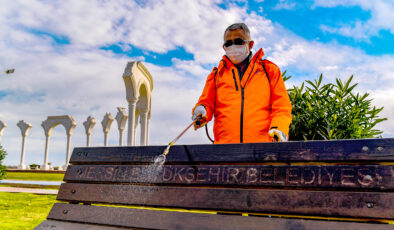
[30,186]
[23,210]
[34,176]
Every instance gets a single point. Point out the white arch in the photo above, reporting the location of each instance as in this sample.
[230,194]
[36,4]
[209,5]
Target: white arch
[3,125]
[51,122]
[25,128]
[139,86]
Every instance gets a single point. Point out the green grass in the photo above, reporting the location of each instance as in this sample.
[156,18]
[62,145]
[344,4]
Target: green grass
[30,186]
[34,176]
[23,210]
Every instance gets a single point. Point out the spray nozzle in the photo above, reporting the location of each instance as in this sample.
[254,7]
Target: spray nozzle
[167,149]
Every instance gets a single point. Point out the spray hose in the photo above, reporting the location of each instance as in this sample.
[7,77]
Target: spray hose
[206,131]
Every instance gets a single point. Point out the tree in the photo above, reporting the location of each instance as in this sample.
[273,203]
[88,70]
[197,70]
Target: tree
[2,156]
[331,111]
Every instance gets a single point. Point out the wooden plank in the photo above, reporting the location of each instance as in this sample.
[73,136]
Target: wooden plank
[62,225]
[153,219]
[371,150]
[379,177]
[321,203]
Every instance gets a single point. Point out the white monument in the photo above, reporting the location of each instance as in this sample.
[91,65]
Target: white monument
[121,118]
[25,128]
[139,86]
[51,122]
[2,128]
[106,123]
[89,124]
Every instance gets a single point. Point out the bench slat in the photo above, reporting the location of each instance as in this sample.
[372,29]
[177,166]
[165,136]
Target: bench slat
[62,225]
[303,202]
[154,219]
[371,150]
[378,177]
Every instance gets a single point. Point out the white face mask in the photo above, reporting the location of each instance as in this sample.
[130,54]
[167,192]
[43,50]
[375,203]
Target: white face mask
[237,53]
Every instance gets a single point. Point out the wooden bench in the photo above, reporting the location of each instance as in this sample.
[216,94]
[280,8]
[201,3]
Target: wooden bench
[321,185]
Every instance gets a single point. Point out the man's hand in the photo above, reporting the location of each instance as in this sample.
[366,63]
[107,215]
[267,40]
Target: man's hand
[277,135]
[199,113]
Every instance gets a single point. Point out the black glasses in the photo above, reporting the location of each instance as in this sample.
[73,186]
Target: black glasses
[237,41]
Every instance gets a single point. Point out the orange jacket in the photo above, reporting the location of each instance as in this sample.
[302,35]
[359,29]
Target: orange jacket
[246,110]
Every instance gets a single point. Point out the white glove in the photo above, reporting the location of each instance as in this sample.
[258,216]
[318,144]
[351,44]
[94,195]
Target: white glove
[199,110]
[279,134]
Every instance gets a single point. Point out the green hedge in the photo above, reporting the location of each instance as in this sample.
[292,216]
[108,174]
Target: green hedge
[331,111]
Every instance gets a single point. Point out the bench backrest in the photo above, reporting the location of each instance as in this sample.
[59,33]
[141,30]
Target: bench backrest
[349,179]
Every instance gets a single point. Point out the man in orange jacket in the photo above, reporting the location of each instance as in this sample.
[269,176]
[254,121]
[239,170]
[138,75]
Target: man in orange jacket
[245,94]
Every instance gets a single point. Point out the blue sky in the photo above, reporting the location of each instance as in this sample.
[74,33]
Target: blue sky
[305,20]
[302,18]
[69,58]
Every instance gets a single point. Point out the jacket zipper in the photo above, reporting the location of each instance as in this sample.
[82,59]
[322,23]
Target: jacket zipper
[242,116]
[235,81]
[242,107]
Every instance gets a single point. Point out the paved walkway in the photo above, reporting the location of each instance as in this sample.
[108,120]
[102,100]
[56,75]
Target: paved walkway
[29,190]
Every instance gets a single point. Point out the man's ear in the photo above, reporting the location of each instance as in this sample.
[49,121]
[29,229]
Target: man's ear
[223,48]
[251,43]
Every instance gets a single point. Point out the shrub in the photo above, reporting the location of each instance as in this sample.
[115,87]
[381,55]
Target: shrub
[3,153]
[331,111]
[34,166]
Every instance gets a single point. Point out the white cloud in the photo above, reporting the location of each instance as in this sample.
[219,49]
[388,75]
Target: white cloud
[285,5]
[157,26]
[381,97]
[81,80]
[381,17]
[190,67]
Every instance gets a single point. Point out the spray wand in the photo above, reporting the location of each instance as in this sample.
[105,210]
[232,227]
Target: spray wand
[198,121]
[167,150]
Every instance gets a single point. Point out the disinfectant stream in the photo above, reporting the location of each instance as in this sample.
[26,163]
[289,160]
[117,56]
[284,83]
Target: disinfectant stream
[151,173]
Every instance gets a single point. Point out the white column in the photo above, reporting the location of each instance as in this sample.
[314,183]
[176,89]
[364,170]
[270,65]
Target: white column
[147,132]
[2,128]
[144,126]
[147,128]
[22,163]
[131,127]
[89,124]
[121,118]
[69,132]
[68,150]
[46,166]
[88,140]
[105,138]
[24,127]
[137,120]
[121,137]
[106,123]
